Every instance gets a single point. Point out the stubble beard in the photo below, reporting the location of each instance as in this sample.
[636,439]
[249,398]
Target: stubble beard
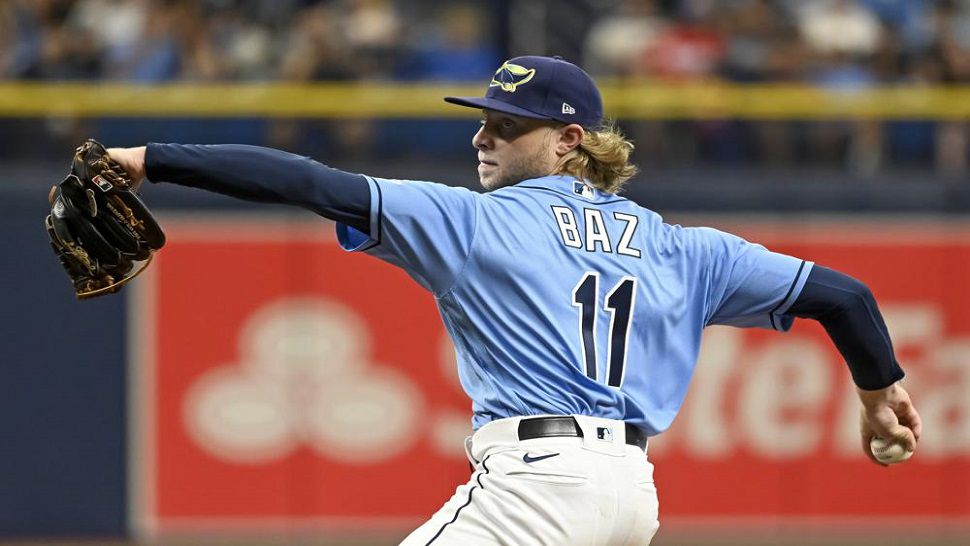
[516,170]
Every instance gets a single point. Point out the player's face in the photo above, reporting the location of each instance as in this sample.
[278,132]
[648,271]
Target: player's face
[513,148]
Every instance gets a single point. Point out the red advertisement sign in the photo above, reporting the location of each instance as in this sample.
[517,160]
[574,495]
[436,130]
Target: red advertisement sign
[281,382]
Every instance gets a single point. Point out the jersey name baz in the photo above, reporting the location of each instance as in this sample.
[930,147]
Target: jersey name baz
[593,235]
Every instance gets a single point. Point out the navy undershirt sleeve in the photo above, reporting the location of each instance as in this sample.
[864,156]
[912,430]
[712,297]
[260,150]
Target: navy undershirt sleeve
[265,175]
[847,310]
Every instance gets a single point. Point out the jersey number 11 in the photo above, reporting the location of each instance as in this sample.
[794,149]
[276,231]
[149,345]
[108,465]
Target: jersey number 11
[619,302]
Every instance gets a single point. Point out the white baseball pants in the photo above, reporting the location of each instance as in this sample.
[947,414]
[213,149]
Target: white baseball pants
[557,491]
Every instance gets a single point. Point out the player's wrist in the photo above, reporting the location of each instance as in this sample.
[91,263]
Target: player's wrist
[887,395]
[132,160]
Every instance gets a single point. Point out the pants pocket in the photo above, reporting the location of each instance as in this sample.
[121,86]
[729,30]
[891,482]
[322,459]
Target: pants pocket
[647,519]
[549,477]
[545,466]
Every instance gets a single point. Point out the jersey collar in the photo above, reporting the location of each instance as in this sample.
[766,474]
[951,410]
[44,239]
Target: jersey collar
[564,184]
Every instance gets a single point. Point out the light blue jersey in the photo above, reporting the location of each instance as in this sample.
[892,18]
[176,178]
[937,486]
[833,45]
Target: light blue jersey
[562,299]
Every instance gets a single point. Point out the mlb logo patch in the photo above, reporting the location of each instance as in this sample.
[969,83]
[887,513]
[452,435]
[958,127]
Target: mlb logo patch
[102,183]
[582,190]
[604,433]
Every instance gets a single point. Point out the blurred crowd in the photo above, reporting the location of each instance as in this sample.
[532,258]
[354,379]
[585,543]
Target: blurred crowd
[834,43]
[158,41]
[151,41]
[828,42]
[839,44]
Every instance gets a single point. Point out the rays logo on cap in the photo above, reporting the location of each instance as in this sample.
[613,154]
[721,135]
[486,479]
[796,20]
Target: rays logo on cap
[510,76]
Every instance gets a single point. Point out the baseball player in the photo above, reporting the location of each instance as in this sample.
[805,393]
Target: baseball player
[576,314]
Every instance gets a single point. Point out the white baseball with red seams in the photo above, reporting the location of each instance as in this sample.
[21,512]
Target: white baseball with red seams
[889,452]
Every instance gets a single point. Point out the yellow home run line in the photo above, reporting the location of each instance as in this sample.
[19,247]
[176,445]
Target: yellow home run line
[624,100]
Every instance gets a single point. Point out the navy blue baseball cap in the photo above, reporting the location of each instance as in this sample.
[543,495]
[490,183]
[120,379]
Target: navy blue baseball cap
[541,88]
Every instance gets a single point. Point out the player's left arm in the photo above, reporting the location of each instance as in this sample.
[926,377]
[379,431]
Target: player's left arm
[254,173]
[847,309]
[423,227]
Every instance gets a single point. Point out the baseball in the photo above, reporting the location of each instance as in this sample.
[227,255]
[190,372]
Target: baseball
[888,452]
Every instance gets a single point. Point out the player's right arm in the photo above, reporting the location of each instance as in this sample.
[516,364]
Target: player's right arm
[847,309]
[751,286]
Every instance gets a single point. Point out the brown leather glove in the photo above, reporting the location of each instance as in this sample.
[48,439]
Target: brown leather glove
[103,234]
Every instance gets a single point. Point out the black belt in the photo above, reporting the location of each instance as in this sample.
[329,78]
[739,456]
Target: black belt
[552,427]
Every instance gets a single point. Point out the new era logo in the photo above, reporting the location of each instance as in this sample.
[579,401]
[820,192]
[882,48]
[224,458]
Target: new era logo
[567,109]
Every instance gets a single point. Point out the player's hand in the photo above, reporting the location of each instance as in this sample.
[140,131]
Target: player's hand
[132,160]
[889,414]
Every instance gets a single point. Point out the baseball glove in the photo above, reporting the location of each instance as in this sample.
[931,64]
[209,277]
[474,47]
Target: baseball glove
[103,234]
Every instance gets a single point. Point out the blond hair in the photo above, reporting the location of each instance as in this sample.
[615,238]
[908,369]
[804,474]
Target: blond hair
[602,159]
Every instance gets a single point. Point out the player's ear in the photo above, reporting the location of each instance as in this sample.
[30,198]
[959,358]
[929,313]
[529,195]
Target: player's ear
[570,137]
